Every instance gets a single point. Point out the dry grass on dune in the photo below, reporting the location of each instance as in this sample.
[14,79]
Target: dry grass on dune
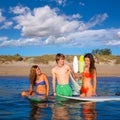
[107,65]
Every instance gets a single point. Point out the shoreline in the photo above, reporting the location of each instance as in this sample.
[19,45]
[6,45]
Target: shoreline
[22,69]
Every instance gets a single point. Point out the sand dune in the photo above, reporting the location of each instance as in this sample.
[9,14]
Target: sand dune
[22,69]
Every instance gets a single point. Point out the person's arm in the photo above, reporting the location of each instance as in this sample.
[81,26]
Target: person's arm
[31,89]
[47,84]
[75,75]
[54,82]
[94,82]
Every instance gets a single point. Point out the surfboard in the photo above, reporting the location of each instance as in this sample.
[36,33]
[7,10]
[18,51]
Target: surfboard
[81,64]
[75,85]
[75,64]
[94,99]
[37,98]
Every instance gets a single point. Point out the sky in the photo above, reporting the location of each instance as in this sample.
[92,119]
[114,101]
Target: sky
[71,27]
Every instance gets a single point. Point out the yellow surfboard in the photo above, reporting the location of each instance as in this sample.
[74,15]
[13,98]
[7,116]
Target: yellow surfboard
[81,64]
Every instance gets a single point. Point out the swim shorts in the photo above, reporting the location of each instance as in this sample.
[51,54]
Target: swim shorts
[64,90]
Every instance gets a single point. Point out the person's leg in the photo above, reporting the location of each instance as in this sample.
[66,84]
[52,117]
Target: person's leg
[83,92]
[26,93]
[89,92]
[82,95]
[67,90]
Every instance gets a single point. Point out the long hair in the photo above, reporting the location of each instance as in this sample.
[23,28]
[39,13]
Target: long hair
[58,56]
[32,75]
[92,62]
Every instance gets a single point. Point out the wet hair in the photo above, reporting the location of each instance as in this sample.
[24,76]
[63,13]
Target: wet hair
[32,75]
[92,62]
[58,56]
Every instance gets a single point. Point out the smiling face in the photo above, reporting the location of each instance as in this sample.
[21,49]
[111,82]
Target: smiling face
[87,61]
[61,61]
[38,71]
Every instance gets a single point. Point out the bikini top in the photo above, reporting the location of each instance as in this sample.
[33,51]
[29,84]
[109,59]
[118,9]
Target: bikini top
[40,83]
[87,75]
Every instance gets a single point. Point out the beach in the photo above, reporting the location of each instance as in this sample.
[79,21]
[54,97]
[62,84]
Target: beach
[22,69]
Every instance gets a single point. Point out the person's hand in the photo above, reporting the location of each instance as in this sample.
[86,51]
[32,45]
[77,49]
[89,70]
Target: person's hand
[54,93]
[30,93]
[94,94]
[77,75]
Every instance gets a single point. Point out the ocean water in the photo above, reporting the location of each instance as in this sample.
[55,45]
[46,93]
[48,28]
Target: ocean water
[15,107]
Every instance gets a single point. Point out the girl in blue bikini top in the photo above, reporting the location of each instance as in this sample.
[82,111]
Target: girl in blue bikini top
[38,79]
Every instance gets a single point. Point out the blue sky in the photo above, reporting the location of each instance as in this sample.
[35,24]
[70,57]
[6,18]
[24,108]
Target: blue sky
[38,27]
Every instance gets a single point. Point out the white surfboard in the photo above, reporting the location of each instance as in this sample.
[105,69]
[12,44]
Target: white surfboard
[75,83]
[94,99]
[75,64]
[76,86]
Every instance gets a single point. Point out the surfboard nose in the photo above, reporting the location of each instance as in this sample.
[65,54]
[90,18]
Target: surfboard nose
[75,64]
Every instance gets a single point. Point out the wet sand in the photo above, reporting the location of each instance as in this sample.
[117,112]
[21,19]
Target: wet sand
[22,69]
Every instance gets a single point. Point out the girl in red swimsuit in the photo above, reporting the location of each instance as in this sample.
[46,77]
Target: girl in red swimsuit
[88,77]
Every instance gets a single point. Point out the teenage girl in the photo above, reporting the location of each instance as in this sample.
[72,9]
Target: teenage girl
[88,77]
[38,80]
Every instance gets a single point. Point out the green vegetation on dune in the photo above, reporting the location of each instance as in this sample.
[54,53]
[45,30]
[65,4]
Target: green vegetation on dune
[40,59]
[9,58]
[104,58]
[117,60]
[105,51]
[108,58]
[46,58]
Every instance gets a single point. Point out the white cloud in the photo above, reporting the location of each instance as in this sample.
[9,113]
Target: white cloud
[19,9]
[44,26]
[98,18]
[113,42]
[44,22]
[2,18]
[61,2]
[21,42]
[50,40]
[3,38]
[6,25]
[118,34]
[93,21]
[114,38]
[78,39]
[85,38]
[72,17]
[81,3]
[76,16]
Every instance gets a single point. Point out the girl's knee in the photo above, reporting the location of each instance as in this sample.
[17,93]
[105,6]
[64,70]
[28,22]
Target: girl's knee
[24,93]
[82,95]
